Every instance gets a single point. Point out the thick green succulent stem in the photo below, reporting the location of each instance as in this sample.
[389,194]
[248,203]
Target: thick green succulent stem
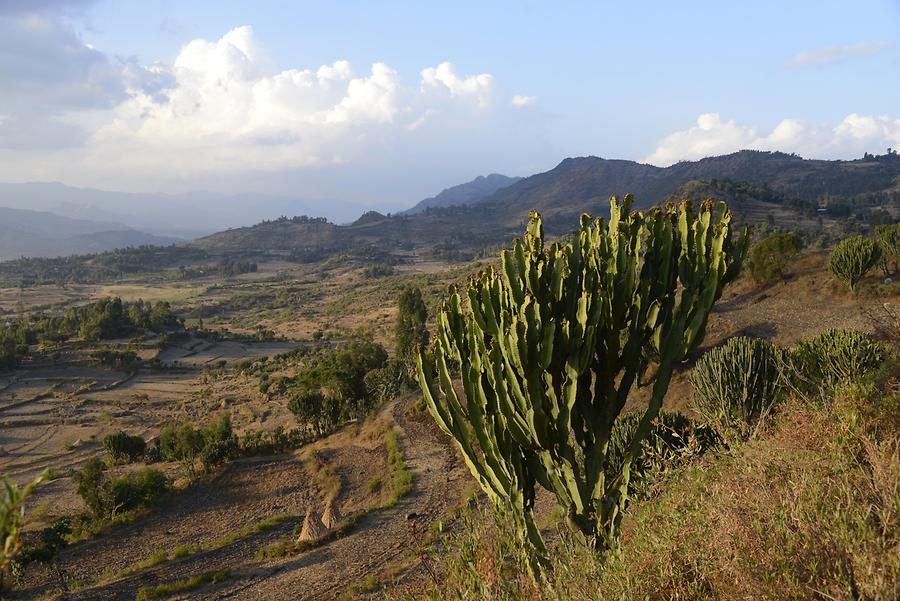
[548,348]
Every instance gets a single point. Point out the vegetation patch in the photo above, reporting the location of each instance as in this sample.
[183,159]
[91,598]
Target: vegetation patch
[169,589]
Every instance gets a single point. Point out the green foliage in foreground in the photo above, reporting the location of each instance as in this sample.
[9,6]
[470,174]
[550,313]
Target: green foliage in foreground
[549,349]
[409,330]
[737,385]
[808,511]
[12,518]
[852,259]
[770,256]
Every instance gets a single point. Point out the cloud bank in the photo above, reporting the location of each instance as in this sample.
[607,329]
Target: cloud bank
[221,106]
[712,135]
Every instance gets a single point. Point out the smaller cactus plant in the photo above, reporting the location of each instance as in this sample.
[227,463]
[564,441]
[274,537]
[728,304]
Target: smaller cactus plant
[852,259]
[737,385]
[888,238]
[836,356]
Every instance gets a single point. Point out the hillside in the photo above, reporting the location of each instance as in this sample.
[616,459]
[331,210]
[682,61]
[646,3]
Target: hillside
[465,194]
[585,184]
[757,183]
[43,234]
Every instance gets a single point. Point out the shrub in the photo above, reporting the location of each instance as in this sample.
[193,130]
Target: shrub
[385,383]
[852,259]
[672,440]
[770,256]
[106,497]
[124,448]
[835,356]
[737,385]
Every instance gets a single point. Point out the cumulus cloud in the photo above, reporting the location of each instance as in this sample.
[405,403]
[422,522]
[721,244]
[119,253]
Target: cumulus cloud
[829,55]
[228,107]
[712,135]
[443,79]
[220,107]
[519,100]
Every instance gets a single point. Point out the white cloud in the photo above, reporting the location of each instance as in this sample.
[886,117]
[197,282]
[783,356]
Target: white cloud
[443,78]
[223,106]
[853,136]
[829,55]
[519,100]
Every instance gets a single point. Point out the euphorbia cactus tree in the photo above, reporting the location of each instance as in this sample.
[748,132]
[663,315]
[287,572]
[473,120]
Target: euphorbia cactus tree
[548,349]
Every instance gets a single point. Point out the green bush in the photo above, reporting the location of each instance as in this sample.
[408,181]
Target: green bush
[852,259]
[124,448]
[107,497]
[672,440]
[737,385]
[833,357]
[770,256]
[213,444]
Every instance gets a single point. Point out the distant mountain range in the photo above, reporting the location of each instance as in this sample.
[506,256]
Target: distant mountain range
[465,194]
[487,210]
[43,234]
[187,215]
[777,180]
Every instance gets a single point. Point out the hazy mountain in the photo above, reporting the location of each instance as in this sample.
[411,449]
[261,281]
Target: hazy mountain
[756,183]
[584,184]
[43,234]
[187,215]
[465,194]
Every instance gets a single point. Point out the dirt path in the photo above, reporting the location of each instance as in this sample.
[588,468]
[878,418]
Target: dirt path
[245,492]
[381,538]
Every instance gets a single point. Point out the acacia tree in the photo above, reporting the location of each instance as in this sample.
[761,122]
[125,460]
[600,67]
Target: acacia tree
[549,348]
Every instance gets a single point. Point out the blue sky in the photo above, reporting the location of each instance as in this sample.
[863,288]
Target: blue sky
[651,81]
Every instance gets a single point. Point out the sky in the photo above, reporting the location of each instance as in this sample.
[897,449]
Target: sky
[382,103]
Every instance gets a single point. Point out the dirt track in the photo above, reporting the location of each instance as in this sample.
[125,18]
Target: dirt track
[249,490]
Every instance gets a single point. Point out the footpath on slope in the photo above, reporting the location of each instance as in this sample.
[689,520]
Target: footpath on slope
[380,539]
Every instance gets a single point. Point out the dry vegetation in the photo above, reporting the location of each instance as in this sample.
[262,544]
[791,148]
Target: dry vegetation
[739,525]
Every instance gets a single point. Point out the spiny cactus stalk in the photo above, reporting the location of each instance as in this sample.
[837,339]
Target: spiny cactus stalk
[737,385]
[548,349]
[888,238]
[852,259]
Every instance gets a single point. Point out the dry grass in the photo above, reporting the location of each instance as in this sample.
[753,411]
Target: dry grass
[811,510]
